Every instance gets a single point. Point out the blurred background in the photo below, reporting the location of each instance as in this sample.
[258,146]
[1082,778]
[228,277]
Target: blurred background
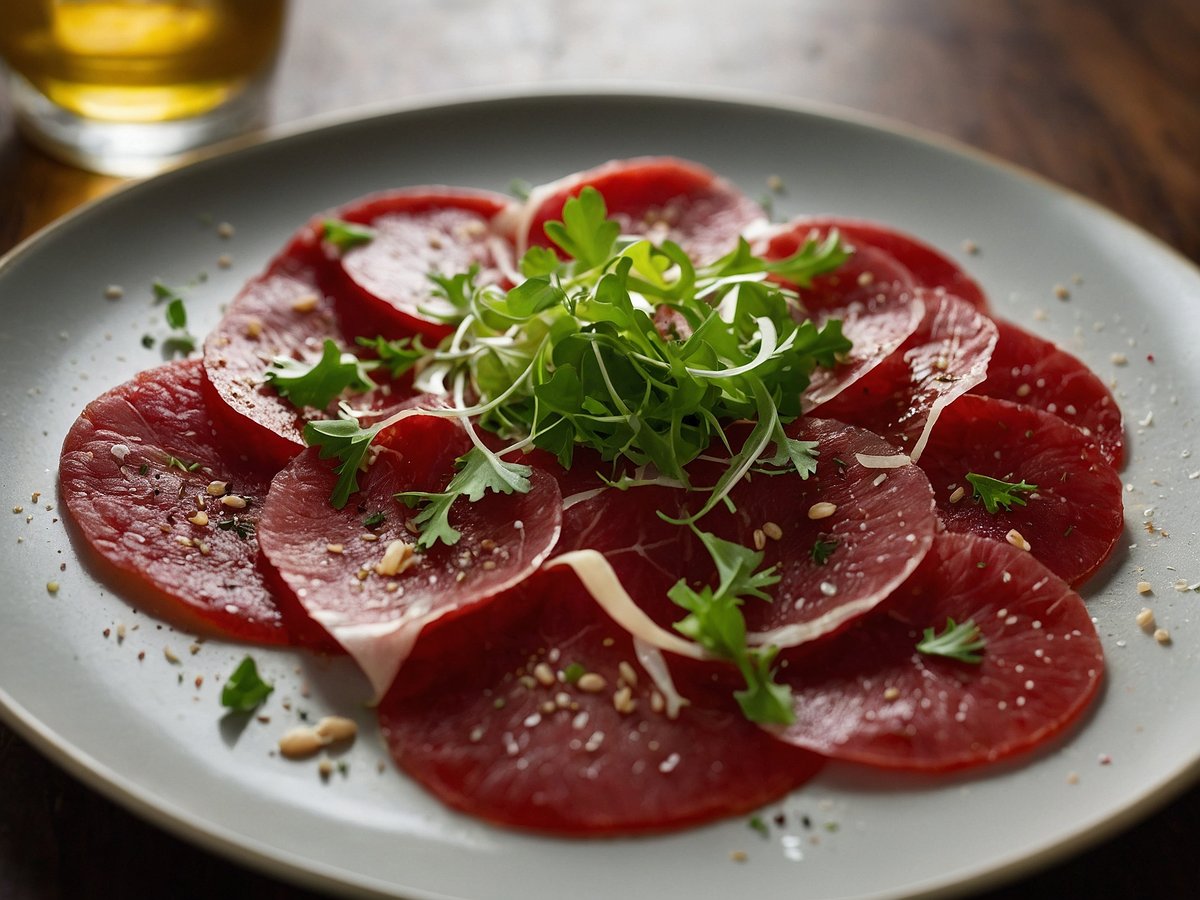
[1100,96]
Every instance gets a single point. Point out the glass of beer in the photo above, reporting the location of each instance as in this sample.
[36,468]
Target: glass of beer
[129,87]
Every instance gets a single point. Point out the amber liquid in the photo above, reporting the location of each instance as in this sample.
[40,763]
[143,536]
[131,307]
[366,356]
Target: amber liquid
[140,60]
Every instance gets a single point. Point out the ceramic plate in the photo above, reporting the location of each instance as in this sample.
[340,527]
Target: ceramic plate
[136,726]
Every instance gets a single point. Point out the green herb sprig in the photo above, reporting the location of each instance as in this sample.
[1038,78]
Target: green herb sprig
[995,493]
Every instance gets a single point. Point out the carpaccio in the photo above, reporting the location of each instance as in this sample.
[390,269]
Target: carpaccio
[504,686]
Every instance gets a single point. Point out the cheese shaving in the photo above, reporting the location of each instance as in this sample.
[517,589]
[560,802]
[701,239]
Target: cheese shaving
[872,461]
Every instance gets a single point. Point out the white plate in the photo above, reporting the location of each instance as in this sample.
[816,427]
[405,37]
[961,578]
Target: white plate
[141,732]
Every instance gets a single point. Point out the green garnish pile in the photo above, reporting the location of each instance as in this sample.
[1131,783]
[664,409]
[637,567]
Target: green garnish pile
[623,347]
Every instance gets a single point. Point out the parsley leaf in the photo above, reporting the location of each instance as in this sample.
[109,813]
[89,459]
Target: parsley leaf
[961,642]
[995,493]
[479,471]
[715,622]
[245,690]
[317,384]
[346,235]
[345,440]
[585,233]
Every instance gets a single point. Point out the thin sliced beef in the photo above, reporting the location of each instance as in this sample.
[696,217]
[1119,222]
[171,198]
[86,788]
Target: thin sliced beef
[1027,369]
[876,527]
[868,696]
[356,570]
[902,397]
[535,713]
[382,286]
[169,508]
[1074,518]
[661,198]
[885,254]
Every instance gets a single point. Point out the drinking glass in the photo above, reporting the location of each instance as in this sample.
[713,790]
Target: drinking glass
[127,87]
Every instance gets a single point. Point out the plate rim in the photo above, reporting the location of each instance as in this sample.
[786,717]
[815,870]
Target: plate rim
[277,862]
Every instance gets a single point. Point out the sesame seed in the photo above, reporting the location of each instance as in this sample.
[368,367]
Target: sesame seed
[739,856]
[232,501]
[1061,292]
[225,230]
[760,539]
[1145,619]
[1015,538]
[1162,635]
[1119,359]
[772,530]
[544,674]
[52,587]
[306,303]
[253,328]
[821,510]
[958,494]
[623,701]
[627,673]
[200,519]
[591,683]
[225,261]
[891,693]
[1144,587]
[114,292]
[334,548]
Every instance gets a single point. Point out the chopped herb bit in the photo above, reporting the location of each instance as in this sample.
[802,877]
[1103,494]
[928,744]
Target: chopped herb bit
[163,292]
[144,469]
[961,642]
[182,465]
[822,549]
[995,493]
[243,528]
[573,672]
[148,341]
[176,313]
[981,565]
[183,344]
[1067,533]
[760,826]
[520,188]
[840,463]
[245,690]
[374,520]
[346,235]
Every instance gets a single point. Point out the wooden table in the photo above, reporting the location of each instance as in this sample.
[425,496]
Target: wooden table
[1102,96]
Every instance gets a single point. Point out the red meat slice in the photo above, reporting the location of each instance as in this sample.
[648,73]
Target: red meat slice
[382,287]
[924,265]
[335,562]
[867,695]
[659,197]
[281,313]
[901,398]
[876,327]
[881,525]
[135,474]
[1032,371]
[1074,518]
[870,276]
[487,719]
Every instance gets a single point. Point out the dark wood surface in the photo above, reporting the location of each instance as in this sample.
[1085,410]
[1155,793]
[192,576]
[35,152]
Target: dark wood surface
[1102,96]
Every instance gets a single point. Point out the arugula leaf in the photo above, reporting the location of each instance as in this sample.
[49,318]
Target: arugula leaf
[317,384]
[347,441]
[479,471]
[995,493]
[346,235]
[245,690]
[961,642]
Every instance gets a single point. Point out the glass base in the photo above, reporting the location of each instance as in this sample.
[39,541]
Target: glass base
[126,148]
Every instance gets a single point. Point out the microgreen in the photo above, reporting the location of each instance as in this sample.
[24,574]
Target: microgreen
[245,690]
[317,384]
[345,440]
[346,235]
[961,642]
[995,493]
